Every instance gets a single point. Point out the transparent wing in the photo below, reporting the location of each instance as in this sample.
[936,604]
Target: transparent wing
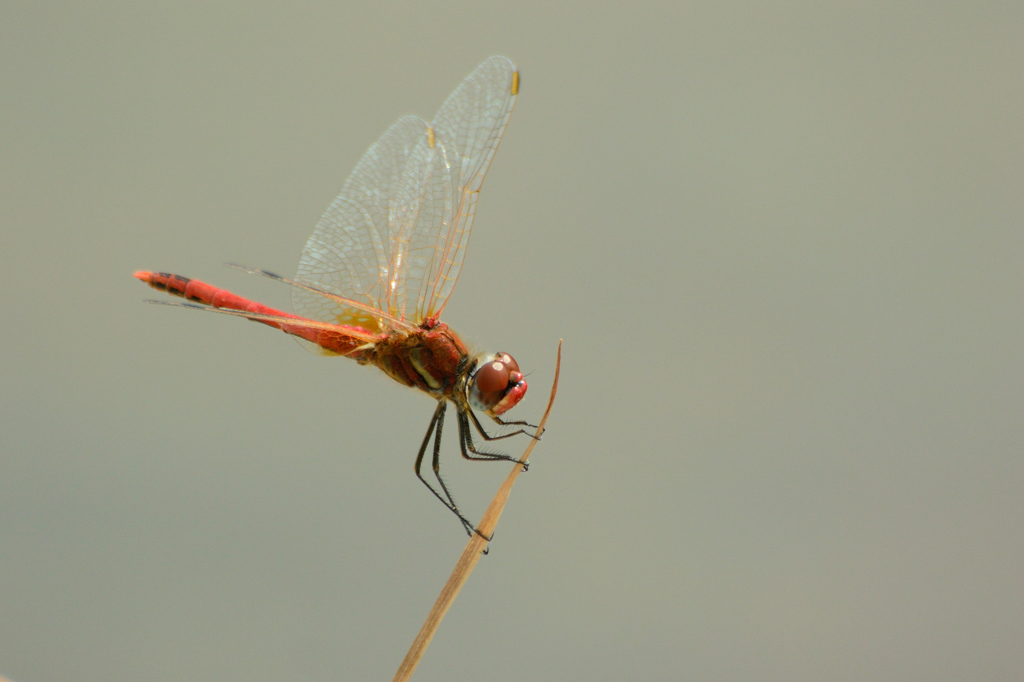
[396,235]
[350,251]
[443,178]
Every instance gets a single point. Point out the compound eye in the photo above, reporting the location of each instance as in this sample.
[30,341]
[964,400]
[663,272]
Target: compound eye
[491,382]
[492,377]
[497,385]
[508,361]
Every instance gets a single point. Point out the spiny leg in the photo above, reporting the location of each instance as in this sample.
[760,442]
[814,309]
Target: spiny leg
[502,422]
[489,437]
[436,466]
[438,413]
[466,443]
[438,421]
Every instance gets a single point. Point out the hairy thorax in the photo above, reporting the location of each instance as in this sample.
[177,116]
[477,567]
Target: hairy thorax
[427,359]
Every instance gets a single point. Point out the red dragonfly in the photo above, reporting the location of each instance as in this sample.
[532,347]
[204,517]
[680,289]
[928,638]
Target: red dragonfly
[378,270]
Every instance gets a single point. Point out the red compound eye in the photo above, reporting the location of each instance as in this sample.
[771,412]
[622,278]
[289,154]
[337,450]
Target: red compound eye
[492,377]
[508,361]
[497,384]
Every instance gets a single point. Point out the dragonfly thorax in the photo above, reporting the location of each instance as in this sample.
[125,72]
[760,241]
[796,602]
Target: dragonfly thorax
[432,360]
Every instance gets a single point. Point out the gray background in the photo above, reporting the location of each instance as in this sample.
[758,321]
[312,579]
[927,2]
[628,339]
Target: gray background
[783,246]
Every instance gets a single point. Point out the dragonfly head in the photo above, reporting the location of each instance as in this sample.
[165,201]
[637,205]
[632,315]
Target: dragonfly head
[496,385]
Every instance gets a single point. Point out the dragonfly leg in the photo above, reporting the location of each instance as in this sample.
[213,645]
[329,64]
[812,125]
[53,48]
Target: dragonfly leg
[488,437]
[438,422]
[466,442]
[502,422]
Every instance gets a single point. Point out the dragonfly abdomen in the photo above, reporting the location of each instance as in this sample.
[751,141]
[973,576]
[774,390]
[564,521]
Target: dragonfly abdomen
[334,340]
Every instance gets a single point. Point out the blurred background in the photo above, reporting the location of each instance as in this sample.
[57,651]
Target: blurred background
[783,246]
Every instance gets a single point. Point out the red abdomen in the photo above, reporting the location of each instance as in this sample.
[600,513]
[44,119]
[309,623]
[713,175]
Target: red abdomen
[331,340]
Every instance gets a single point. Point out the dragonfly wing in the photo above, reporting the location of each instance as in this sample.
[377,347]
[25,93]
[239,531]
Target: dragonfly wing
[350,253]
[396,235]
[440,187]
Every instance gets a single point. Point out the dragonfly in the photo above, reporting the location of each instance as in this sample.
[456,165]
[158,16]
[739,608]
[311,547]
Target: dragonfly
[382,262]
